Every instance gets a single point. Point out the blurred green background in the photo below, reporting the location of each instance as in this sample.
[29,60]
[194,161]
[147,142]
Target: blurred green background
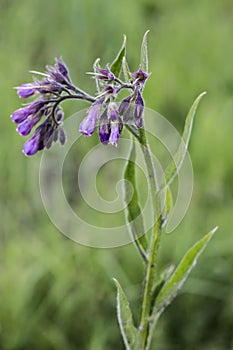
[55,294]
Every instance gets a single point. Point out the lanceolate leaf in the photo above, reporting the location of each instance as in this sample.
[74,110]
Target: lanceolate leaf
[131,336]
[133,210]
[116,66]
[144,53]
[179,276]
[174,167]
[96,64]
[125,69]
[168,201]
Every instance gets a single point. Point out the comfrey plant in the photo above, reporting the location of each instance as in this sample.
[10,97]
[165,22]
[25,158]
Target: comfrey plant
[109,114]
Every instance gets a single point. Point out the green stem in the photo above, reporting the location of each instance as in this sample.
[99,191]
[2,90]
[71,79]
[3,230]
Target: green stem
[152,263]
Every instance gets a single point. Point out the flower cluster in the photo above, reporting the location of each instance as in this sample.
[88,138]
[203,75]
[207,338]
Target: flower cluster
[44,110]
[104,112]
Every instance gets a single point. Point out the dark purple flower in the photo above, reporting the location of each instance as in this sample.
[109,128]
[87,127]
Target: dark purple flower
[87,126]
[140,76]
[32,145]
[104,127]
[104,74]
[26,126]
[26,90]
[138,110]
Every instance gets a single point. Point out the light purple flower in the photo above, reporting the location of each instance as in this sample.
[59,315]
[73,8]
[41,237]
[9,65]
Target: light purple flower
[115,125]
[114,135]
[87,126]
[138,110]
[26,90]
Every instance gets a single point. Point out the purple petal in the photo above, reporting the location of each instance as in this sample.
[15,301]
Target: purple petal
[140,76]
[26,126]
[25,90]
[114,136]
[32,145]
[138,110]
[20,115]
[87,126]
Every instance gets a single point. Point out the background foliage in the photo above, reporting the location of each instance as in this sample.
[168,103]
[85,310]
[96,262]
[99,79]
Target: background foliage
[56,294]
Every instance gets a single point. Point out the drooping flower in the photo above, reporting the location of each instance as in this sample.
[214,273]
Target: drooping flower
[87,126]
[31,109]
[44,135]
[115,125]
[126,109]
[138,110]
[140,76]
[26,126]
[104,127]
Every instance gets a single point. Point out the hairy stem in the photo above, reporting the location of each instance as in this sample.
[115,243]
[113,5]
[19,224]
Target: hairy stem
[151,266]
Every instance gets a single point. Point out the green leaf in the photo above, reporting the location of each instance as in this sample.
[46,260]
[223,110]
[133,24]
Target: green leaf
[116,66]
[133,211]
[181,273]
[144,53]
[168,201]
[96,64]
[125,69]
[131,336]
[174,167]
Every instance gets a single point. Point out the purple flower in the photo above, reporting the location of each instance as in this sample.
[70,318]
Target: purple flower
[20,115]
[114,136]
[26,126]
[87,126]
[62,68]
[138,110]
[26,90]
[32,145]
[140,76]
[104,127]
[104,74]
[31,109]
[115,125]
